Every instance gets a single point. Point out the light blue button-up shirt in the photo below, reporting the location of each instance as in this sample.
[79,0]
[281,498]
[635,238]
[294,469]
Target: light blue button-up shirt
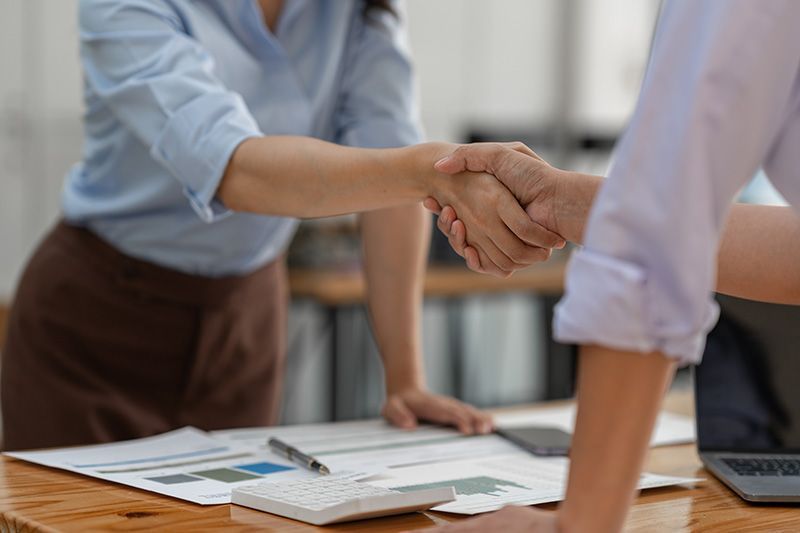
[173,86]
[721,98]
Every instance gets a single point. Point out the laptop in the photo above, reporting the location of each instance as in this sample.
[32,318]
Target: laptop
[747,398]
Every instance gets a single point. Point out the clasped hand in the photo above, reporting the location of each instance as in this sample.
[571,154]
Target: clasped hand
[504,194]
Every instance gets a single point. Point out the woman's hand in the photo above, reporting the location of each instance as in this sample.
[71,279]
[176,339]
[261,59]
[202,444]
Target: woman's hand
[553,198]
[523,173]
[406,408]
[503,235]
[509,519]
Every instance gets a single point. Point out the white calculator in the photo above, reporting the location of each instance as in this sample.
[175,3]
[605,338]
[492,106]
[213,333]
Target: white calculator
[329,500]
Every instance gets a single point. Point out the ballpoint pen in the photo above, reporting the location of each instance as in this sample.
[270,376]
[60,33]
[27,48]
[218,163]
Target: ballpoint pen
[296,456]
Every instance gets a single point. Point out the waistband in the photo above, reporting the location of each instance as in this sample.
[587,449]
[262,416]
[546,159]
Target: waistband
[155,280]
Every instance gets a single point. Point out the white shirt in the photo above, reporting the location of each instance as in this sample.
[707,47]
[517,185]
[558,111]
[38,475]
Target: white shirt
[720,99]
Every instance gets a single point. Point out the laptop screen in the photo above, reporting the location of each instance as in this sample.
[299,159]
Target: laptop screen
[747,388]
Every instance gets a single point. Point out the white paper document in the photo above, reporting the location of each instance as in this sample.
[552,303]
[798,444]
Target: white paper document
[372,445]
[487,470]
[670,428]
[489,483]
[186,463]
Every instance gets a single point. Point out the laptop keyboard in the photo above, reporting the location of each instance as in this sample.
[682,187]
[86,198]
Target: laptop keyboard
[764,467]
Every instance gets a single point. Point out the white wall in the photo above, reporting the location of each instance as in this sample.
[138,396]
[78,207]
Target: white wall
[612,43]
[483,63]
[40,131]
[499,64]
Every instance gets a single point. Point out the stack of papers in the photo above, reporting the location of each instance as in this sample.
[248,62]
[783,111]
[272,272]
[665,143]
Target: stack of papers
[187,463]
[487,471]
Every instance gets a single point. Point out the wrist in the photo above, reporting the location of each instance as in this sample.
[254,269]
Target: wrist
[574,196]
[403,380]
[417,167]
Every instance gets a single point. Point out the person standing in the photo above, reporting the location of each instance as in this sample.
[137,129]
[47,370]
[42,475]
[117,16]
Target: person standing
[160,300]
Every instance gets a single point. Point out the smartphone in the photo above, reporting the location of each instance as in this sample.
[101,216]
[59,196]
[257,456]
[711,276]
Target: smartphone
[538,440]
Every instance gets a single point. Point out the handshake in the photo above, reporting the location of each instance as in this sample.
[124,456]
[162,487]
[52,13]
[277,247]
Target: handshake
[504,208]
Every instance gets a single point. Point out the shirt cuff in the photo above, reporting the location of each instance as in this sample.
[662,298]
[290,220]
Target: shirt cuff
[608,302]
[197,144]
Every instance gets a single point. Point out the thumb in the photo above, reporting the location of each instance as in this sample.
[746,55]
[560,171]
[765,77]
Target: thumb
[478,157]
[451,164]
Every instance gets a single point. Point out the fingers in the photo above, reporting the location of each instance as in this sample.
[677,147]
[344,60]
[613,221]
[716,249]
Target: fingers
[446,219]
[508,254]
[473,259]
[507,251]
[466,418]
[482,423]
[488,262]
[398,414]
[453,229]
[528,231]
[478,260]
[432,205]
[458,237]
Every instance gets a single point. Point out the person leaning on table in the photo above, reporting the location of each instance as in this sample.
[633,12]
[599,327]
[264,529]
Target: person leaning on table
[161,298]
[720,99]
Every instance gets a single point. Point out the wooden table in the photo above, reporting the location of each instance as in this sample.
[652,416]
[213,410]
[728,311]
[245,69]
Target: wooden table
[331,287]
[34,498]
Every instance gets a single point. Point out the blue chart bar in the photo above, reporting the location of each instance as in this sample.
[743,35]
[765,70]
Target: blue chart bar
[264,468]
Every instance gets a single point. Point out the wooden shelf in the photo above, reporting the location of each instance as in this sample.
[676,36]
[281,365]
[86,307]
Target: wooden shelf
[331,287]
[344,288]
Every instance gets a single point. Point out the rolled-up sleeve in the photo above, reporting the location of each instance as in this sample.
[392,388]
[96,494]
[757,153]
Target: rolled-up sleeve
[159,82]
[378,107]
[712,103]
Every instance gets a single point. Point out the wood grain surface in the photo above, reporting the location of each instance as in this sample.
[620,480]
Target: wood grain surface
[34,498]
[331,287]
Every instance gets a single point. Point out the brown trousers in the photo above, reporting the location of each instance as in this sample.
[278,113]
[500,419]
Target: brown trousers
[103,347]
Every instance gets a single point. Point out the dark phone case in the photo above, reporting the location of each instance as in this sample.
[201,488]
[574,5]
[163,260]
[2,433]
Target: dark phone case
[539,440]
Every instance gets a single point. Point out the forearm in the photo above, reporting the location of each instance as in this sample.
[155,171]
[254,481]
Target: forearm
[395,252]
[759,254]
[619,395]
[305,177]
[574,196]
[759,250]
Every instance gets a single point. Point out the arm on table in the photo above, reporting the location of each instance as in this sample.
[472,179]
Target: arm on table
[395,251]
[708,112]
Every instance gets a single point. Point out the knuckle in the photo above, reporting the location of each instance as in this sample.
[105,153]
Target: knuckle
[550,239]
[461,151]
[519,253]
[505,263]
[542,254]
